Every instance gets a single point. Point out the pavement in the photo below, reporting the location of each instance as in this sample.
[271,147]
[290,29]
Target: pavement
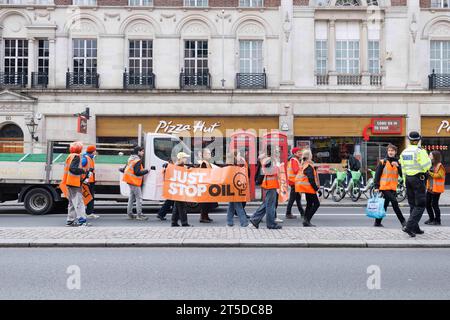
[337,227]
[223,274]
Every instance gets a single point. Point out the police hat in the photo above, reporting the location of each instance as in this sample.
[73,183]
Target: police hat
[414,136]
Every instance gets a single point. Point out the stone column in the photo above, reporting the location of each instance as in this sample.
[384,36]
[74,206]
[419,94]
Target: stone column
[332,52]
[413,119]
[286,121]
[287,12]
[414,39]
[51,63]
[31,60]
[364,39]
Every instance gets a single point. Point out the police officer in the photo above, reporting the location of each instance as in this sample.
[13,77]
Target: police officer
[415,163]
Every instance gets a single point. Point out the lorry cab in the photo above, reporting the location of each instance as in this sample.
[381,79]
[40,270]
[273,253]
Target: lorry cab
[159,149]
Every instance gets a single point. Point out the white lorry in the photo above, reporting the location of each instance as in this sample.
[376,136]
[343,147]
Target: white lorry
[33,179]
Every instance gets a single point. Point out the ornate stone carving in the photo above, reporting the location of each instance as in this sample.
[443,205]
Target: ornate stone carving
[140,28]
[111,16]
[196,28]
[14,108]
[82,26]
[413,27]
[41,14]
[287,27]
[168,16]
[441,30]
[251,29]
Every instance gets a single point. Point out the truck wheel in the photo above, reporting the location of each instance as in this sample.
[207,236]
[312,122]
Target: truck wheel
[39,201]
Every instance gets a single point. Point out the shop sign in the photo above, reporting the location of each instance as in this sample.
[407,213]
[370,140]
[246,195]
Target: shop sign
[445,125]
[387,126]
[174,128]
[82,124]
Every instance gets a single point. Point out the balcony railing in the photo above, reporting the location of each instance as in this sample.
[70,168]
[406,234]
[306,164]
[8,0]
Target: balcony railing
[376,80]
[251,80]
[13,80]
[138,81]
[198,80]
[322,79]
[439,81]
[76,80]
[349,79]
[39,79]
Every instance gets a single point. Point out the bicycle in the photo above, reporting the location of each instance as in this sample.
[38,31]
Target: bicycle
[330,186]
[368,188]
[353,189]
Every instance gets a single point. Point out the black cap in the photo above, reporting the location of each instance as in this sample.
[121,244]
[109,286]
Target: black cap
[414,136]
[137,149]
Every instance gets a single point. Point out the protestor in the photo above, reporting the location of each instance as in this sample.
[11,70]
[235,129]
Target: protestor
[87,163]
[415,165]
[179,207]
[307,182]
[386,180]
[235,159]
[72,179]
[205,208]
[435,187]
[134,173]
[292,169]
[270,185]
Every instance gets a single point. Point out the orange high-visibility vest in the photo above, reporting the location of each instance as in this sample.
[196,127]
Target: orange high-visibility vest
[90,164]
[270,180]
[290,171]
[70,179]
[436,185]
[129,175]
[389,177]
[302,184]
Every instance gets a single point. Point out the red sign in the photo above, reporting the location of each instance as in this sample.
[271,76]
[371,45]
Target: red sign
[387,126]
[82,124]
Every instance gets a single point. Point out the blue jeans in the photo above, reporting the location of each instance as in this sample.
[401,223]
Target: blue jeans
[236,206]
[268,207]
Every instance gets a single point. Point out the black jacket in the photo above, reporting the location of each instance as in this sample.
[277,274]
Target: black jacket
[138,171]
[380,168]
[75,166]
[309,172]
[353,163]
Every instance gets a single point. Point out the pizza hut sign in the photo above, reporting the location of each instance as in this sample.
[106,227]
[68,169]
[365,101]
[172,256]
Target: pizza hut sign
[445,125]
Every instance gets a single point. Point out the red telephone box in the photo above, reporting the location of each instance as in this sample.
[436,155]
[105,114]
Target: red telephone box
[245,142]
[276,139]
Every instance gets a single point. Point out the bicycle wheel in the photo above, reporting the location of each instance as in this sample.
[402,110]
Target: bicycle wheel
[338,194]
[401,193]
[326,189]
[355,194]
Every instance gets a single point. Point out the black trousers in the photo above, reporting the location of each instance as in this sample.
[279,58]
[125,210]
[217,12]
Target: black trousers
[297,198]
[312,204]
[179,212]
[90,205]
[164,210]
[389,197]
[433,206]
[416,192]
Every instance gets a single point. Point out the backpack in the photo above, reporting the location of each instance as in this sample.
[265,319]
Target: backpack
[259,177]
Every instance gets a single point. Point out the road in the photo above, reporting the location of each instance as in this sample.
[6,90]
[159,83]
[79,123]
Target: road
[115,216]
[196,273]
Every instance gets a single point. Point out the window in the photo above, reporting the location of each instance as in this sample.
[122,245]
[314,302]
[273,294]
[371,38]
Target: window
[372,3]
[85,56]
[140,58]
[85,2]
[196,57]
[43,1]
[141,3]
[322,3]
[374,56]
[42,62]
[321,56]
[251,3]
[16,56]
[13,1]
[348,3]
[250,56]
[440,56]
[166,149]
[195,3]
[440,3]
[347,56]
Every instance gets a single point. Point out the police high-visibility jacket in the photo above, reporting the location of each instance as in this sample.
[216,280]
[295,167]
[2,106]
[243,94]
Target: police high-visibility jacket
[389,176]
[130,177]
[70,179]
[302,183]
[90,164]
[436,181]
[414,160]
[292,170]
[270,180]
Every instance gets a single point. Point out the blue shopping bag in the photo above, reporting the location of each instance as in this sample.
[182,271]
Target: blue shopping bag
[375,207]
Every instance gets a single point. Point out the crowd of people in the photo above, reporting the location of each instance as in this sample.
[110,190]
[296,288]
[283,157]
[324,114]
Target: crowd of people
[424,176]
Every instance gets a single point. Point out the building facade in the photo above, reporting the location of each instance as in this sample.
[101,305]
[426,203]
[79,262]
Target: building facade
[327,73]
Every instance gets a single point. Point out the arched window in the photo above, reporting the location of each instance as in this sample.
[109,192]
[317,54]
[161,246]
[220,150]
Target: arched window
[11,130]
